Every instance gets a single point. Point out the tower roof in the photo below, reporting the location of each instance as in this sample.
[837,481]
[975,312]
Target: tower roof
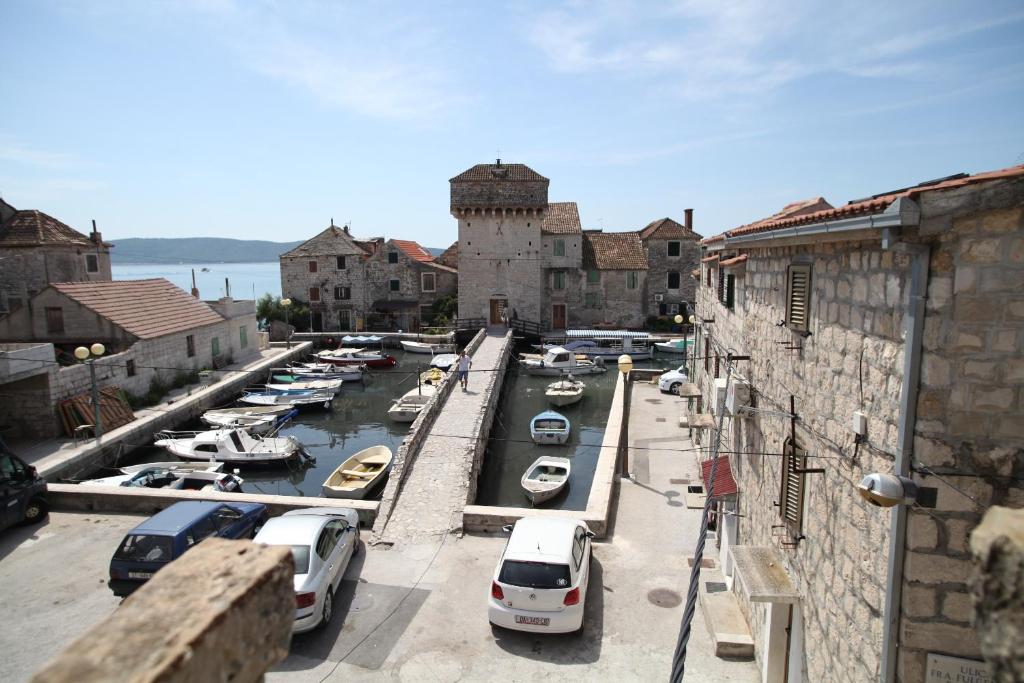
[498,171]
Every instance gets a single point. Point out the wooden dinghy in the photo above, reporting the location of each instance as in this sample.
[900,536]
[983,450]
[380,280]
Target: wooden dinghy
[546,478]
[359,474]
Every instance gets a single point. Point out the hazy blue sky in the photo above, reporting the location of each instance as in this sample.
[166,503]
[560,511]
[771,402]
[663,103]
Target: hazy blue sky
[265,119]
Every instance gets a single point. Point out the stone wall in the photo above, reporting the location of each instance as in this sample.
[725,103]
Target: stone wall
[495,381]
[297,280]
[486,194]
[27,270]
[500,258]
[659,264]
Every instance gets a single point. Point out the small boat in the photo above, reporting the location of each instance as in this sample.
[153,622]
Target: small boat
[558,361]
[182,479]
[372,359]
[234,446]
[359,474]
[550,428]
[565,392]
[423,347]
[254,419]
[408,407]
[294,399]
[673,346]
[348,373]
[545,478]
[444,361]
[432,376]
[332,386]
[176,466]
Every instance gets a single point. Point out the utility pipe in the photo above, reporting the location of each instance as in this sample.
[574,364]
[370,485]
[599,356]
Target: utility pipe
[913,324]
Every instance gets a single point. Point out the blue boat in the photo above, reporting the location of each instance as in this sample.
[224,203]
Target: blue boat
[294,398]
[550,428]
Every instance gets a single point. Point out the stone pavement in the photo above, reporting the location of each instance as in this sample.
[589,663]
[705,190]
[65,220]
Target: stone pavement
[431,499]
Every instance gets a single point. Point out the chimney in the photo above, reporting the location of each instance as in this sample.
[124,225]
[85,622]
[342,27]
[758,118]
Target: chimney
[95,236]
[688,221]
[195,290]
[345,228]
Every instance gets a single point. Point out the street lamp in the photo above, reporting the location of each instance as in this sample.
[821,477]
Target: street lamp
[287,328]
[625,365]
[83,353]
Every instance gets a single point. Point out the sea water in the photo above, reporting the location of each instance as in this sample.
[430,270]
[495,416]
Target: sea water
[247,280]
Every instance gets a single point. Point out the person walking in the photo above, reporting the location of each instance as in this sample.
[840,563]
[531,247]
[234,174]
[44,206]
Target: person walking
[465,363]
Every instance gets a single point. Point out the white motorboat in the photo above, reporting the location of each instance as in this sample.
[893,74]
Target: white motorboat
[408,407]
[546,478]
[176,466]
[333,386]
[303,371]
[153,477]
[293,399]
[232,446]
[673,346]
[444,361]
[550,427]
[424,347]
[359,356]
[559,361]
[565,392]
[255,419]
[359,474]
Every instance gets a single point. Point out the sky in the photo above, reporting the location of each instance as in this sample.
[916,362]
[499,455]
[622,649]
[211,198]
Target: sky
[266,119]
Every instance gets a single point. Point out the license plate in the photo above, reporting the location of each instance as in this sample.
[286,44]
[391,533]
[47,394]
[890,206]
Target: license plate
[533,621]
[140,575]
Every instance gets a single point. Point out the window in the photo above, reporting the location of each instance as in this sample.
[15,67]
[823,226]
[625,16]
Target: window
[559,247]
[215,346]
[428,282]
[314,294]
[341,293]
[707,354]
[243,337]
[791,496]
[674,249]
[341,262]
[395,285]
[325,544]
[726,287]
[673,309]
[707,276]
[558,279]
[632,279]
[662,309]
[593,276]
[798,297]
[54,320]
[312,266]
[590,300]
[534,574]
[578,544]
[190,345]
[130,367]
[392,257]
[673,280]
[718,363]
[92,263]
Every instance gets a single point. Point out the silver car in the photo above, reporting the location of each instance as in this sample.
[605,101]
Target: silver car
[322,541]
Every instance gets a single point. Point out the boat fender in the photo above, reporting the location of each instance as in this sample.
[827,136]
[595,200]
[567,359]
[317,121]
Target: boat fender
[327,405]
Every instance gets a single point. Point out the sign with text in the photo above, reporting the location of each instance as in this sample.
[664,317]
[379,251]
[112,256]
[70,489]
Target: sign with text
[943,669]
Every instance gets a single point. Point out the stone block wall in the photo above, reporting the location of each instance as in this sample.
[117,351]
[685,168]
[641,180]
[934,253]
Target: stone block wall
[27,270]
[500,257]
[659,264]
[486,194]
[296,281]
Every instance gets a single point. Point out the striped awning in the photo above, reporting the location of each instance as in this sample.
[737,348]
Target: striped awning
[725,485]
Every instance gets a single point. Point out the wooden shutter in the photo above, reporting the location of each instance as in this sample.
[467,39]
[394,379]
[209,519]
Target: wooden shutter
[726,290]
[791,498]
[798,297]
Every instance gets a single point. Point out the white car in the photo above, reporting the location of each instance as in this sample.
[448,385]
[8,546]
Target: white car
[540,583]
[322,541]
[673,379]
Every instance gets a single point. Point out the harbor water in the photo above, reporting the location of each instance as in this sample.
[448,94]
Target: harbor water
[247,280]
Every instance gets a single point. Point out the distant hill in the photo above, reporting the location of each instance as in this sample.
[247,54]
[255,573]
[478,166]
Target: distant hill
[202,250]
[196,250]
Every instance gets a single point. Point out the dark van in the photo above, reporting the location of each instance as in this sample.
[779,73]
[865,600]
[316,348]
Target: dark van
[22,492]
[169,533]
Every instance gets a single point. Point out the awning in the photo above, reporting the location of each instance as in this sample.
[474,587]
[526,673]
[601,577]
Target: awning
[725,485]
[387,306]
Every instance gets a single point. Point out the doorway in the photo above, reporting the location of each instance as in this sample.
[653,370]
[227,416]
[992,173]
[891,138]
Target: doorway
[497,311]
[316,321]
[345,321]
[558,316]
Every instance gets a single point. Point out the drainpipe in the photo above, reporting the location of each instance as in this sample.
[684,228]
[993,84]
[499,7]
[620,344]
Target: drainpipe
[913,329]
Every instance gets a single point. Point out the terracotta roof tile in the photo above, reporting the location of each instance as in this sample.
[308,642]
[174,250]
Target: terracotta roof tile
[498,172]
[333,241]
[613,251]
[709,258]
[31,227]
[725,485]
[667,229]
[144,308]
[413,250]
[734,261]
[562,218]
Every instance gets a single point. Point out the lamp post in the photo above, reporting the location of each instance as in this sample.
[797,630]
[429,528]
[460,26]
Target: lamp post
[287,328]
[84,354]
[625,365]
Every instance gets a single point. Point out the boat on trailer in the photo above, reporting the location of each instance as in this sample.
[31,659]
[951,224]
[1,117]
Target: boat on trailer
[550,427]
[359,474]
[546,478]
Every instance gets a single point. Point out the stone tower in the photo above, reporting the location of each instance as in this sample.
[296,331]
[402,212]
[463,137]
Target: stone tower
[500,209]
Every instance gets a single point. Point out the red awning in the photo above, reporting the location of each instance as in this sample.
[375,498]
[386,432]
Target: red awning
[725,485]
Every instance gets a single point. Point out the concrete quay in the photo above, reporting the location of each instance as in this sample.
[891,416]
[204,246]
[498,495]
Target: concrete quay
[69,459]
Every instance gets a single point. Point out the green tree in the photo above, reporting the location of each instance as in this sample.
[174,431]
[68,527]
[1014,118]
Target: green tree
[270,308]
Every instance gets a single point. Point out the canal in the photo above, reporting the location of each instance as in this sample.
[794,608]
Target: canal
[510,450]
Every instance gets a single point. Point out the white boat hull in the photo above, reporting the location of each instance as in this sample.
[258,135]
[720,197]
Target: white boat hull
[550,371]
[359,474]
[230,446]
[541,486]
[422,347]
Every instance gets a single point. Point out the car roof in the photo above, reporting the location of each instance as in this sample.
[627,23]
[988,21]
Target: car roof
[182,514]
[536,539]
[292,529]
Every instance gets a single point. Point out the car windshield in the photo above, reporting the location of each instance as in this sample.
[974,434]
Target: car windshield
[300,553]
[534,574]
[144,548]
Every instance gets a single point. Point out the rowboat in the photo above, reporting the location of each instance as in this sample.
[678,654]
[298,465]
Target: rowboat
[254,419]
[234,446]
[673,346]
[332,386]
[565,392]
[424,347]
[295,399]
[545,478]
[550,428]
[373,359]
[359,474]
[409,405]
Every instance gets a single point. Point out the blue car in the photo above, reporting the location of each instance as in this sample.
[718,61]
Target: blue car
[168,534]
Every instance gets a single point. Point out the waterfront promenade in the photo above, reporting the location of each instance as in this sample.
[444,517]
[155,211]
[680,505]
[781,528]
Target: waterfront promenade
[434,492]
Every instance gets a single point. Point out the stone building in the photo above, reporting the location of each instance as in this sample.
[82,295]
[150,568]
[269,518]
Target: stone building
[37,249]
[152,330]
[404,281]
[885,336]
[673,251]
[615,280]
